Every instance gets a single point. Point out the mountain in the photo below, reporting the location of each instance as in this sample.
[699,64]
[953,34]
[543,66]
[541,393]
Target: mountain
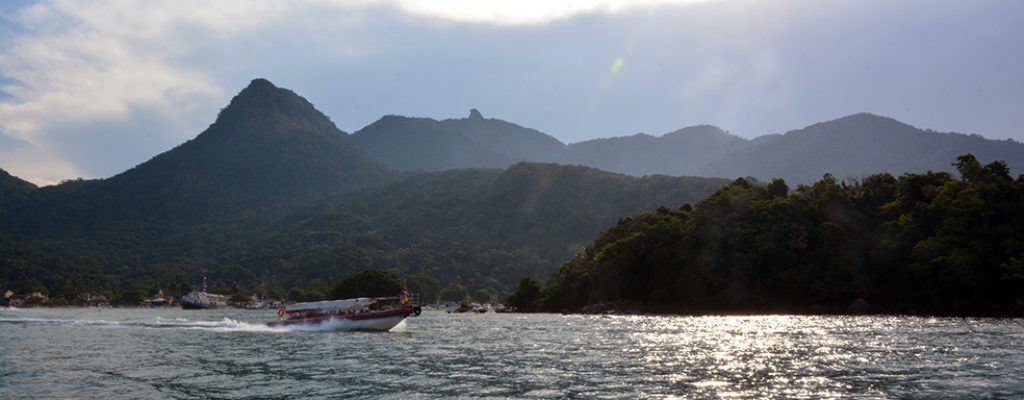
[424,144]
[268,146]
[853,146]
[482,228]
[684,152]
[485,228]
[13,189]
[859,145]
[272,197]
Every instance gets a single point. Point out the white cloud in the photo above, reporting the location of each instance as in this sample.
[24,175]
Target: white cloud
[82,62]
[96,87]
[18,155]
[518,12]
[75,63]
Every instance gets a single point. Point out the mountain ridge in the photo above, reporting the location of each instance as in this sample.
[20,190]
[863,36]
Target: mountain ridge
[272,196]
[850,146]
[273,192]
[268,145]
[426,144]
[13,189]
[862,144]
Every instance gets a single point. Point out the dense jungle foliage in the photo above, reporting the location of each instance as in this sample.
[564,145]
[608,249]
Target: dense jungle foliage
[921,243]
[481,229]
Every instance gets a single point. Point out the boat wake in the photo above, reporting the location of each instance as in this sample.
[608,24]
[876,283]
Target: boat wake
[224,325]
[332,325]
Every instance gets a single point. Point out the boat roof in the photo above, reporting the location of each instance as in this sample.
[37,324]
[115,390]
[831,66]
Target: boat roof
[331,304]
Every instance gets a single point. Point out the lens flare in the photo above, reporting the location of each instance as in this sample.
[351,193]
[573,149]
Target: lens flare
[617,65]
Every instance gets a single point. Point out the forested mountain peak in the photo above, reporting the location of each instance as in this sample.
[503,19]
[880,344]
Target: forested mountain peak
[13,188]
[704,138]
[10,182]
[859,125]
[262,108]
[701,130]
[268,146]
[426,144]
[851,146]
[859,145]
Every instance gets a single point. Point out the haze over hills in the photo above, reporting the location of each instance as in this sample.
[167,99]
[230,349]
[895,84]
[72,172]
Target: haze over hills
[685,152]
[425,144]
[273,196]
[859,145]
[852,146]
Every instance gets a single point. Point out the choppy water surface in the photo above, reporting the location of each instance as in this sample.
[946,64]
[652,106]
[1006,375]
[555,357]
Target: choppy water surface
[89,353]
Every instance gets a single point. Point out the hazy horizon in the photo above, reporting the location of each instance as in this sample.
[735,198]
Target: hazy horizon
[91,89]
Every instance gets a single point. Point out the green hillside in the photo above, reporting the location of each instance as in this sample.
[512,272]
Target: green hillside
[920,243]
[272,196]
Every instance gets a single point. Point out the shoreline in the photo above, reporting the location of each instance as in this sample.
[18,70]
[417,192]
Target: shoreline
[621,313]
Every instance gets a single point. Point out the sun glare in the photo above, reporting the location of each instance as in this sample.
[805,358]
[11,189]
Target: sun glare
[519,12]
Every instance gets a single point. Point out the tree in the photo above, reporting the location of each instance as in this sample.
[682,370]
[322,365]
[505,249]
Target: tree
[369,283]
[482,296]
[129,298]
[777,188]
[425,286]
[920,242]
[454,292]
[527,296]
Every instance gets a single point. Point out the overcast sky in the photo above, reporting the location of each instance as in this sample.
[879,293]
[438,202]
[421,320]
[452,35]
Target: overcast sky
[89,89]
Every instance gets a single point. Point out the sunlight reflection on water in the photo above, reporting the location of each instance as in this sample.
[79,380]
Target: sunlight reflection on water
[230,354]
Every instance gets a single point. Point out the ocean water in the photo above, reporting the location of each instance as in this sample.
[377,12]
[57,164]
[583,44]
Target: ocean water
[230,354]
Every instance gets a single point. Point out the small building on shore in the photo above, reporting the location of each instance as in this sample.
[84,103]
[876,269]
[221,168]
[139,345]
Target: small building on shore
[27,300]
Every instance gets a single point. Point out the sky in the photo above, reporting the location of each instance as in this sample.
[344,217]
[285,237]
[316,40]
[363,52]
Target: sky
[90,89]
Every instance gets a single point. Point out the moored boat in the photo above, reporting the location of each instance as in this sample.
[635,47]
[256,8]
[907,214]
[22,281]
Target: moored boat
[199,299]
[359,314]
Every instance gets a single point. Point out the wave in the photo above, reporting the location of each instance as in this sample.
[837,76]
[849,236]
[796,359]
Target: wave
[224,325]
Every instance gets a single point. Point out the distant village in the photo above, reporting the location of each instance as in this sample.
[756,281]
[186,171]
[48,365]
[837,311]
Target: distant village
[212,301]
[159,299]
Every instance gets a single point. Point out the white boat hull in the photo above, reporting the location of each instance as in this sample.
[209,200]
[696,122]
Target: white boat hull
[381,323]
[377,324]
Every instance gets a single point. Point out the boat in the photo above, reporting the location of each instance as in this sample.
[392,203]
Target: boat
[159,300]
[358,314]
[199,299]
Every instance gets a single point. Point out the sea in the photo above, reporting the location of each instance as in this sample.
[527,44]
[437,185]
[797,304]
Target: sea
[231,354]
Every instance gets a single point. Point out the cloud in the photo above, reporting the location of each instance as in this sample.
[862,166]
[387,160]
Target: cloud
[43,168]
[81,81]
[79,63]
[522,12]
[96,87]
